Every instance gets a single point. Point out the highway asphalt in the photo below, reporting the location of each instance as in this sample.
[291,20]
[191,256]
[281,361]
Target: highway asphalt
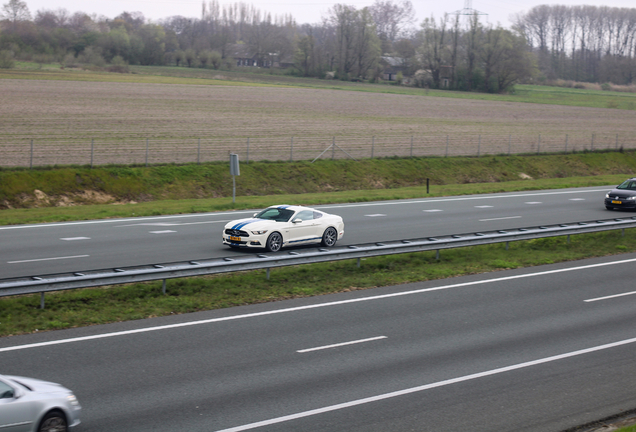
[537,349]
[31,250]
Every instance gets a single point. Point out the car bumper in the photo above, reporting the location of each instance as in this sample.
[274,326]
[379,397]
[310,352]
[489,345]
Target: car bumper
[253,241]
[620,203]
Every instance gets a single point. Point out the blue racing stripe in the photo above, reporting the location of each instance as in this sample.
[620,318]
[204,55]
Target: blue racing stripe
[242,224]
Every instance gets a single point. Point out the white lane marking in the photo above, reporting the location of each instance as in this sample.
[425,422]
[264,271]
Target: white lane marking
[75,238]
[533,202]
[501,218]
[483,206]
[610,297]
[376,215]
[314,306]
[432,210]
[162,232]
[173,223]
[464,198]
[47,259]
[577,199]
[341,344]
[428,386]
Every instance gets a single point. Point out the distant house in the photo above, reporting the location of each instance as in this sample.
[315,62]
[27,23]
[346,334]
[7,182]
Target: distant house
[246,57]
[391,67]
[445,76]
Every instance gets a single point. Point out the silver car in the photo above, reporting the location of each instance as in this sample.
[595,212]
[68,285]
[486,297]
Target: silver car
[32,405]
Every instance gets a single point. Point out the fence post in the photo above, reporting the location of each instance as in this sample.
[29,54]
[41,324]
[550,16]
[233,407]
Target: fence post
[479,146]
[31,160]
[146,151]
[411,145]
[247,159]
[372,145]
[566,143]
[539,144]
[592,146]
[446,146]
[199,152]
[616,147]
[509,143]
[92,150]
[291,150]
[333,149]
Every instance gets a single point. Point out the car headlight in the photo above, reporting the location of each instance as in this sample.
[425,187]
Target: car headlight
[607,195]
[631,198]
[72,400]
[259,232]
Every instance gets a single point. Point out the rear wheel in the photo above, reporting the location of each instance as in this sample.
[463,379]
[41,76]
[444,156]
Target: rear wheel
[53,422]
[274,242]
[329,237]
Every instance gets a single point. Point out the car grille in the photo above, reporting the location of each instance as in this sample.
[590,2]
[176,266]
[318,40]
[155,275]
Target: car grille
[236,233]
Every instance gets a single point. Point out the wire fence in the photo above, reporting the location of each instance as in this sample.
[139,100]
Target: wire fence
[93,152]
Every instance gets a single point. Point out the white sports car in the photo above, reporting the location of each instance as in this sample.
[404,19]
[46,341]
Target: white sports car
[284,225]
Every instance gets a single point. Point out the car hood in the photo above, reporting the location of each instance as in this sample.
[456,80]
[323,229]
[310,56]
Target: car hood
[38,385]
[623,193]
[248,223]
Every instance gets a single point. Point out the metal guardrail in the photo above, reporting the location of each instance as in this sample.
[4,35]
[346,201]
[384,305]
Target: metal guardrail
[249,261]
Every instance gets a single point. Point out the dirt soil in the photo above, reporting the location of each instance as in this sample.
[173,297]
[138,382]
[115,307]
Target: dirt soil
[95,122]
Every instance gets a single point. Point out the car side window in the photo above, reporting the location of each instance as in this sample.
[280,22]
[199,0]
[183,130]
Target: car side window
[305,215]
[6,391]
[317,215]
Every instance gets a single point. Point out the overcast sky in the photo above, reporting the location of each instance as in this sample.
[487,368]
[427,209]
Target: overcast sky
[309,11]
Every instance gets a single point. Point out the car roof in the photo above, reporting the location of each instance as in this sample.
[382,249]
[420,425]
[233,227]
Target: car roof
[294,208]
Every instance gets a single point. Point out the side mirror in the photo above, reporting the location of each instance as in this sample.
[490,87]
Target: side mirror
[297,221]
[254,215]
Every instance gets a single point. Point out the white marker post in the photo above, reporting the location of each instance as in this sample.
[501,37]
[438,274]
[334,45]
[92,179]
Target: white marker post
[234,171]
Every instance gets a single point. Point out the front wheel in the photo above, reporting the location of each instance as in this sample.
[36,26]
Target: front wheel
[329,237]
[274,242]
[53,422]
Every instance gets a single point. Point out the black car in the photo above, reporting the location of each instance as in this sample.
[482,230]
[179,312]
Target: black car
[623,196]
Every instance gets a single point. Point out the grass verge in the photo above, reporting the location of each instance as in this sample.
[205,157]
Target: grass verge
[83,307]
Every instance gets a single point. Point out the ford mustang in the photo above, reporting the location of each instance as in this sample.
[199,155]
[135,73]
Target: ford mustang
[282,226]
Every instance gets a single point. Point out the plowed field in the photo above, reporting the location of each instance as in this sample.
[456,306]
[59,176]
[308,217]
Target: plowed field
[67,122]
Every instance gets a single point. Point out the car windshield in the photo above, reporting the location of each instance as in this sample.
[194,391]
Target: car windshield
[275,214]
[627,184]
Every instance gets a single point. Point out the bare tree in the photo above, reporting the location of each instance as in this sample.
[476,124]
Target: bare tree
[15,11]
[392,19]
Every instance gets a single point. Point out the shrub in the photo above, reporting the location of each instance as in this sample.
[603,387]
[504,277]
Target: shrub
[6,60]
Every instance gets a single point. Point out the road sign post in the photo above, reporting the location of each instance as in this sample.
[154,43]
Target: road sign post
[234,171]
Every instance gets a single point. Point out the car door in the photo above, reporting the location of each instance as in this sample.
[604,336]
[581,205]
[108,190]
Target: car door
[303,227]
[16,413]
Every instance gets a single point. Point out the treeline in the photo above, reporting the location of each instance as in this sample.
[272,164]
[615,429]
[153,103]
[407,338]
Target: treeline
[582,43]
[376,43]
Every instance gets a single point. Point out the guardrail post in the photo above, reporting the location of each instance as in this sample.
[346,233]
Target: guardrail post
[163,288]
[358,262]
[268,273]
[507,245]
[42,300]
[437,255]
